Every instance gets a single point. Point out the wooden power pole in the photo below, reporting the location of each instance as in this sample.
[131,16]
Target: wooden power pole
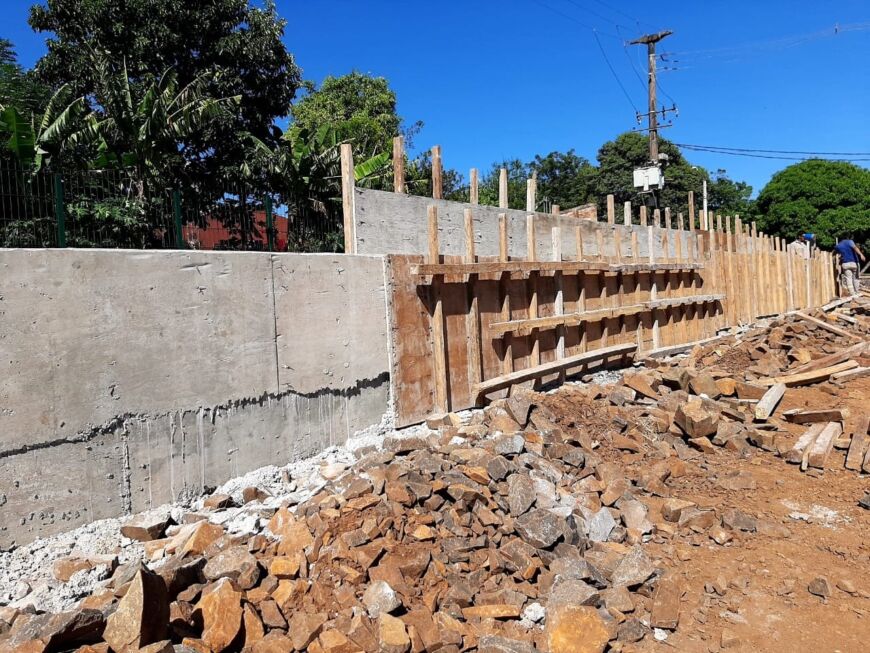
[650,40]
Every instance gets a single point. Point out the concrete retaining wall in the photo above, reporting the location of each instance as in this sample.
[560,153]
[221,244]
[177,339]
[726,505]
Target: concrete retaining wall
[392,223]
[132,378]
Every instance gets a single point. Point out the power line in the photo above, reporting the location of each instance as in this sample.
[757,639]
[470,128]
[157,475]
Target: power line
[622,13]
[572,18]
[755,149]
[770,44]
[613,72]
[594,13]
[755,155]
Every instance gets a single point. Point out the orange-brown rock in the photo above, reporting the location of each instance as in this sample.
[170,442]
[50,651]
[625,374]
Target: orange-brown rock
[576,629]
[304,627]
[203,534]
[221,609]
[392,635]
[142,615]
[254,630]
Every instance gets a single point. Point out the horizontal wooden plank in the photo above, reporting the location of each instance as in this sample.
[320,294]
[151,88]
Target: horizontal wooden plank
[830,327]
[809,377]
[495,267]
[530,373]
[523,327]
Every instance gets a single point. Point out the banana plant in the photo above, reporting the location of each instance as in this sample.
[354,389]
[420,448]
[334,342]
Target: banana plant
[32,143]
[144,131]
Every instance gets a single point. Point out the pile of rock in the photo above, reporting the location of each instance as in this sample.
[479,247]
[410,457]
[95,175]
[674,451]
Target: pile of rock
[504,534]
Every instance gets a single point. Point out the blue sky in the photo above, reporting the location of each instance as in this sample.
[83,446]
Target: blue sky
[494,79]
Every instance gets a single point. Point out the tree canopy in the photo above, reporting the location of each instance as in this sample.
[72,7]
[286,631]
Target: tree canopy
[363,106]
[239,46]
[828,198]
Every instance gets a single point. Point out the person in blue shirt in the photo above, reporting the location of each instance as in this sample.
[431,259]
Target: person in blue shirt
[849,254]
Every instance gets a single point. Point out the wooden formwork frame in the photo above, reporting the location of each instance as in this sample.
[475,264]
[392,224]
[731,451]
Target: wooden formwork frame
[476,325]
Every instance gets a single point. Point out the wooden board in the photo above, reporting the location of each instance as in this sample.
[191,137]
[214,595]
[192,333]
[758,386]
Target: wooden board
[809,377]
[858,446]
[796,454]
[821,448]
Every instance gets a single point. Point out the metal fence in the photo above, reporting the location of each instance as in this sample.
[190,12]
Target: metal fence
[110,208]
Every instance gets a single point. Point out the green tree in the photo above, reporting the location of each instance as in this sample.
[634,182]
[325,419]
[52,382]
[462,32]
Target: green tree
[564,178]
[828,198]
[19,88]
[728,197]
[362,106]
[518,174]
[239,46]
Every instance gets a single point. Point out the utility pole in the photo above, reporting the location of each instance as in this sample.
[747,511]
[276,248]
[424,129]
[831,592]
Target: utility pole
[650,41]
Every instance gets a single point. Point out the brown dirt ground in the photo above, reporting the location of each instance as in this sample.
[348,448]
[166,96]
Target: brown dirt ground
[768,573]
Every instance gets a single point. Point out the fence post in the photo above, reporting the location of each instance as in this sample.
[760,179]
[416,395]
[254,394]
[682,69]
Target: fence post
[270,226]
[59,210]
[176,212]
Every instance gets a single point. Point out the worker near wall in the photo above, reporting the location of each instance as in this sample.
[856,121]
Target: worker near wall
[801,246]
[849,254]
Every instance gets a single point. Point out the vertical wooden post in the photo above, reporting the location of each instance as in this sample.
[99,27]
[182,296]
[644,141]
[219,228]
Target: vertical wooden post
[555,209]
[657,218]
[643,220]
[399,164]
[473,187]
[680,221]
[611,210]
[438,340]
[559,303]
[348,198]
[730,286]
[535,356]
[626,214]
[504,289]
[789,280]
[667,217]
[754,269]
[581,282]
[437,172]
[503,188]
[653,290]
[475,361]
[531,192]
[691,210]
[719,222]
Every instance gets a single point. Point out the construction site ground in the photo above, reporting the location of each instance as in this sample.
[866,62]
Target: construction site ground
[655,512]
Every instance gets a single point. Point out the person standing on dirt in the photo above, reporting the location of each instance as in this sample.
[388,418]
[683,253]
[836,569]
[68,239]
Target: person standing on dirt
[849,254]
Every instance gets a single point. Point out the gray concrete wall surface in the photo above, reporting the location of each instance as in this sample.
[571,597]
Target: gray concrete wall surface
[130,379]
[393,223]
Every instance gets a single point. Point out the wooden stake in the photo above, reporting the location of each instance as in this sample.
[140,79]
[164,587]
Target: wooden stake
[503,255]
[437,173]
[667,218]
[438,340]
[399,164]
[503,188]
[535,356]
[611,210]
[531,191]
[643,220]
[626,214]
[691,211]
[475,360]
[348,198]
[657,218]
[473,190]
[559,303]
